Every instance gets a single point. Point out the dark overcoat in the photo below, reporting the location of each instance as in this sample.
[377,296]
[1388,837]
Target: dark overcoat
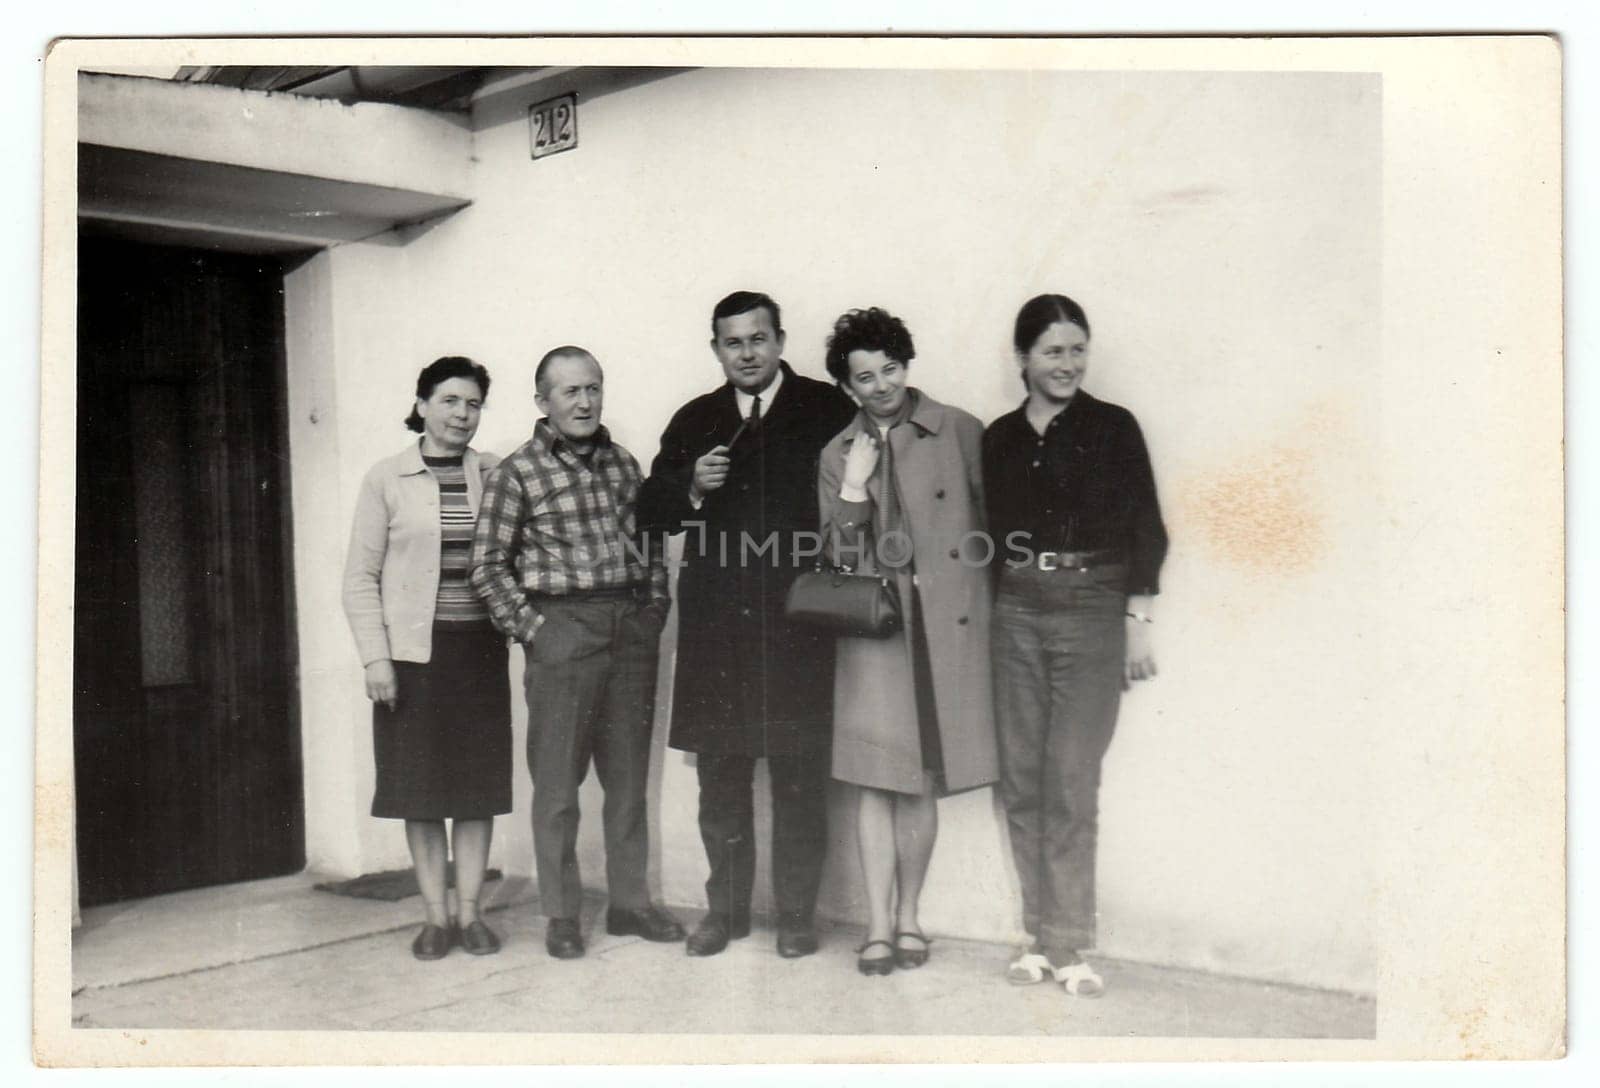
[747,681]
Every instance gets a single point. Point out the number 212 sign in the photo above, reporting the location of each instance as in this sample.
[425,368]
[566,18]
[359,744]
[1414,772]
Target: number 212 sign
[553,125]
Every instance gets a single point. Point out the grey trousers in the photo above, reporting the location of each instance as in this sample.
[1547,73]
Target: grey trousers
[590,679]
[1059,640]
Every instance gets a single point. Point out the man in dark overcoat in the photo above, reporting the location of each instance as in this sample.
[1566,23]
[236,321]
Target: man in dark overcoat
[737,472]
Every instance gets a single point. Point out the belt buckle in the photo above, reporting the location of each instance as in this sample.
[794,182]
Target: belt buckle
[1051,556]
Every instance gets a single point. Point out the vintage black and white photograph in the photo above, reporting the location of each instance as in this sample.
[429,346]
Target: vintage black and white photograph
[667,540]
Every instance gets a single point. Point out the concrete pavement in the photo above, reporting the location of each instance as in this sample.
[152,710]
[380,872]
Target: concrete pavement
[277,954]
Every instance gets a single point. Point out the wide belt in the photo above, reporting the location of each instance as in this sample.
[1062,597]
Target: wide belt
[1048,561]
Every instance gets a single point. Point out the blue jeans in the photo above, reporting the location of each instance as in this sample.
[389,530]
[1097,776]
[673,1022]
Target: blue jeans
[1059,641]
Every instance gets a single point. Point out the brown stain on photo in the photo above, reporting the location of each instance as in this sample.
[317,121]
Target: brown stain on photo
[1258,514]
[1469,1024]
[1262,511]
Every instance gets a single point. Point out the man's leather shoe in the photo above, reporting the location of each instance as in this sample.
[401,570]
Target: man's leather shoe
[796,941]
[652,923]
[432,943]
[562,939]
[713,933]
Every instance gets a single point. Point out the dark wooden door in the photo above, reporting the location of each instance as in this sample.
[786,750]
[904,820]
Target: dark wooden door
[186,735]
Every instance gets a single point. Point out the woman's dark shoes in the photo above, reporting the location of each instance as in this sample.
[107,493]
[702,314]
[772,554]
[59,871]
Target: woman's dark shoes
[478,939]
[562,939]
[876,965]
[914,956]
[711,936]
[652,923]
[796,941]
[433,943]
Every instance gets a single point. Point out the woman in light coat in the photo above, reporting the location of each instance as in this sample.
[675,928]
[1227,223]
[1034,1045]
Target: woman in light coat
[901,493]
[435,666]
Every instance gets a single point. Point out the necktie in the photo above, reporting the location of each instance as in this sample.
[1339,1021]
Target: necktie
[755,412]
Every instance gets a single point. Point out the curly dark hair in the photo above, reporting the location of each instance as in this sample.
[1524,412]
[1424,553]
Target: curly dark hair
[440,371]
[871,329]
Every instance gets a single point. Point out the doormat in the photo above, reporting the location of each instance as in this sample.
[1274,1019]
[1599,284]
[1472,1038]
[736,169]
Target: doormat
[391,886]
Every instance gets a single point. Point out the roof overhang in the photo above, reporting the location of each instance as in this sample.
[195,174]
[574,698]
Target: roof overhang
[251,171]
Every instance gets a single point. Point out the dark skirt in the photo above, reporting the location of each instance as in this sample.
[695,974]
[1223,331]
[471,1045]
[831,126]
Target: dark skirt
[444,752]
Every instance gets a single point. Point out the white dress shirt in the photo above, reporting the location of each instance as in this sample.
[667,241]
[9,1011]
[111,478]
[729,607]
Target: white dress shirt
[746,401]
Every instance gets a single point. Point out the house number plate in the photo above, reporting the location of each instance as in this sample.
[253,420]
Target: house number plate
[553,125]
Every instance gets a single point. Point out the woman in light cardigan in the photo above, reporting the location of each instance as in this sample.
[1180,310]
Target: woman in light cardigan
[435,666]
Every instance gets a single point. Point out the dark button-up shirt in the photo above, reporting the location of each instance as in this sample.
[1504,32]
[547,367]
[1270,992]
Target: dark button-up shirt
[553,521]
[1085,484]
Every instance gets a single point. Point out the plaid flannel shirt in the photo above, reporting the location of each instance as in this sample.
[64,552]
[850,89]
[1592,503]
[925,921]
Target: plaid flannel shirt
[551,522]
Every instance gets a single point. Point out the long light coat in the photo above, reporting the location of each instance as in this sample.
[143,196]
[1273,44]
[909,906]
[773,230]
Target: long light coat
[938,470]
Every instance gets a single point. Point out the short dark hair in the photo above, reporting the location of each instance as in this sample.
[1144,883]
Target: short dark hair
[565,351]
[440,371]
[742,302]
[871,329]
[1042,311]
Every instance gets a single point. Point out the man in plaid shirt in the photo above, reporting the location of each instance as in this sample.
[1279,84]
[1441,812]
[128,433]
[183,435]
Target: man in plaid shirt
[556,558]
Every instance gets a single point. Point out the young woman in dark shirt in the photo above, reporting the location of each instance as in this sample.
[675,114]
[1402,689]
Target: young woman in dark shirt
[1072,508]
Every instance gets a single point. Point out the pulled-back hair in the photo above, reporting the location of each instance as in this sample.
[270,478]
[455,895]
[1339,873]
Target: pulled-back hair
[871,329]
[440,371]
[1042,311]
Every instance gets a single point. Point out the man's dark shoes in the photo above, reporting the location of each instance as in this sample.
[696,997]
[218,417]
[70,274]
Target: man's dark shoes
[713,934]
[652,923]
[433,943]
[478,939]
[795,941]
[562,939]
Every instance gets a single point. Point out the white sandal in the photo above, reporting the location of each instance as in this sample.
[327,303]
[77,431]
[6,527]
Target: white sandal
[1027,969]
[1079,980]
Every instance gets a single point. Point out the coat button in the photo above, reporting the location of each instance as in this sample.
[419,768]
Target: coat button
[955,554]
[939,494]
[962,621]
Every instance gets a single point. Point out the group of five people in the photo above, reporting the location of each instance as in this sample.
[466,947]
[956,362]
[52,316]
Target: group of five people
[1025,557]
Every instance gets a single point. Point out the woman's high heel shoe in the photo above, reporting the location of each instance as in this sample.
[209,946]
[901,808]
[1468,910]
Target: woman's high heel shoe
[908,958]
[880,965]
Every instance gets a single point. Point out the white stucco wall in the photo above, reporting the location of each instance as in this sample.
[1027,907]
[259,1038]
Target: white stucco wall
[1222,232]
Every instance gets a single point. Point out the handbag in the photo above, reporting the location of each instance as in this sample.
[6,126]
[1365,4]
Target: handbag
[844,602]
